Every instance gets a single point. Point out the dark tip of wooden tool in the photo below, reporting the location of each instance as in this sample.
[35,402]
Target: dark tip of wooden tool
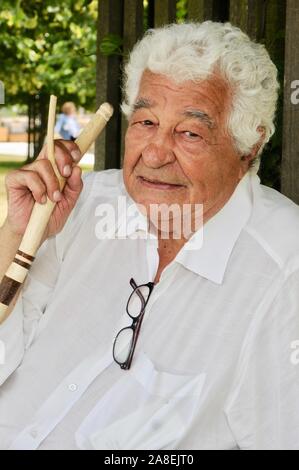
[8,290]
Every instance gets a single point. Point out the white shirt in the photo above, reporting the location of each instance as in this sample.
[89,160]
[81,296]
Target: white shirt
[216,364]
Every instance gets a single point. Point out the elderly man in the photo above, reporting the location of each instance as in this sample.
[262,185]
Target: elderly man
[150,337]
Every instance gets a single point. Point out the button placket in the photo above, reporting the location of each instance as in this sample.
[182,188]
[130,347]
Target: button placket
[160,289]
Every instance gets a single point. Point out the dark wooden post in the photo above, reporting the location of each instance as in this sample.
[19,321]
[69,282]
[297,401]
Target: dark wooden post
[110,21]
[35,125]
[290,154]
[249,15]
[264,22]
[202,10]
[256,21]
[220,10]
[261,20]
[133,30]
[43,118]
[196,10]
[29,129]
[271,32]
[164,12]
[133,23]
[238,13]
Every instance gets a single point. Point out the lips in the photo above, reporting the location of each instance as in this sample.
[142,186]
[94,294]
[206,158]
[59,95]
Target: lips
[158,184]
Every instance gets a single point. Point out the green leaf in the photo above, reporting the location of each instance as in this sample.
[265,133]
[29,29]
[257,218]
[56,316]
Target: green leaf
[111,45]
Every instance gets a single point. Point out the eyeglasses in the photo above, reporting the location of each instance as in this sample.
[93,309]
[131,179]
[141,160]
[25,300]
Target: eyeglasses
[126,338]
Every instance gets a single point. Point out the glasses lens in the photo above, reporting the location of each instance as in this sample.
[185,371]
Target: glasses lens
[137,300]
[122,345]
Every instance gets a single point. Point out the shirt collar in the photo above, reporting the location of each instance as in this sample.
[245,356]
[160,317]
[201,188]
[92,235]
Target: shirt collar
[208,251]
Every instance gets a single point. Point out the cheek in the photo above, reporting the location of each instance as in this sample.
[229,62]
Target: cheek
[205,172]
[134,144]
[195,165]
[131,154]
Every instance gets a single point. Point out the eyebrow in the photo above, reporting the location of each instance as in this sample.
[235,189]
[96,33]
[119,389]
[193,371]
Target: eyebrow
[201,116]
[191,113]
[143,103]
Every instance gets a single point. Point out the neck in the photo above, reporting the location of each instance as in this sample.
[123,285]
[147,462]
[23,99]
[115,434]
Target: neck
[167,250]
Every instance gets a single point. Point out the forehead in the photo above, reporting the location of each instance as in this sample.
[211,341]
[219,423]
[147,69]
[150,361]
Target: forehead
[212,95]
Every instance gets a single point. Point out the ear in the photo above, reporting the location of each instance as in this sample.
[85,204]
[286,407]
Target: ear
[246,159]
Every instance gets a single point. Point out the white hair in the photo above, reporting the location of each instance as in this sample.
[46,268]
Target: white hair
[194,51]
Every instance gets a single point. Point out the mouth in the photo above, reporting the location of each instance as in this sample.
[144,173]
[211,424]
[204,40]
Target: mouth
[156,184]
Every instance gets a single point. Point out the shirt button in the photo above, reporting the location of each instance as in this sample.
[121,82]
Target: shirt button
[73,387]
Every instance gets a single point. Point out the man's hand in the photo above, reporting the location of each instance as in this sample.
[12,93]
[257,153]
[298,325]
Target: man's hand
[33,182]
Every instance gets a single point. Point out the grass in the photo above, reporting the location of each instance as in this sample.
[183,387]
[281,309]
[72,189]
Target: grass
[8,163]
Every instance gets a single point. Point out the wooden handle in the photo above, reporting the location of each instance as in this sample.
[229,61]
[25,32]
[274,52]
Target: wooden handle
[41,213]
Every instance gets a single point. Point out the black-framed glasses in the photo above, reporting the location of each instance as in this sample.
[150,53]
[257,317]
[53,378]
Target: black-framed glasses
[126,339]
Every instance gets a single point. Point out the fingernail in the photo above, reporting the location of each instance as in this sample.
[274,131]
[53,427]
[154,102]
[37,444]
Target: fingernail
[67,170]
[43,199]
[57,196]
[76,155]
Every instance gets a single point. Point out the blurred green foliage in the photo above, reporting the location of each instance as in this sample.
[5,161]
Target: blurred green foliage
[182,10]
[111,45]
[48,46]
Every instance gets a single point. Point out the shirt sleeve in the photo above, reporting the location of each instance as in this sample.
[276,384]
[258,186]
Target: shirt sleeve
[263,407]
[19,330]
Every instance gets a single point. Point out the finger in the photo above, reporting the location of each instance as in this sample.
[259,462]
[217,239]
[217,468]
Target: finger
[73,149]
[27,180]
[71,146]
[43,168]
[74,182]
[66,153]
[74,185]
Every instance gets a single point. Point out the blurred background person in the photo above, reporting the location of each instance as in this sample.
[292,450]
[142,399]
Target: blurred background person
[67,125]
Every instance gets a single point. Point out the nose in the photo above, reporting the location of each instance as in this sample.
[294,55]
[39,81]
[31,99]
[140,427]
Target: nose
[158,152]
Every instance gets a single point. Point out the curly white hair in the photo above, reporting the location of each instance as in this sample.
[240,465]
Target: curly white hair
[193,51]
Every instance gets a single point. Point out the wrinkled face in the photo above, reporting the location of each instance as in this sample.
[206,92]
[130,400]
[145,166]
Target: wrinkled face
[177,149]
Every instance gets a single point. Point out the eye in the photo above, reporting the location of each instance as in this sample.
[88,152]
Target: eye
[141,124]
[191,135]
[146,123]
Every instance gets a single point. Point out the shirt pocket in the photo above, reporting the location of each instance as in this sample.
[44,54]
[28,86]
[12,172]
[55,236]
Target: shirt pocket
[146,409]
